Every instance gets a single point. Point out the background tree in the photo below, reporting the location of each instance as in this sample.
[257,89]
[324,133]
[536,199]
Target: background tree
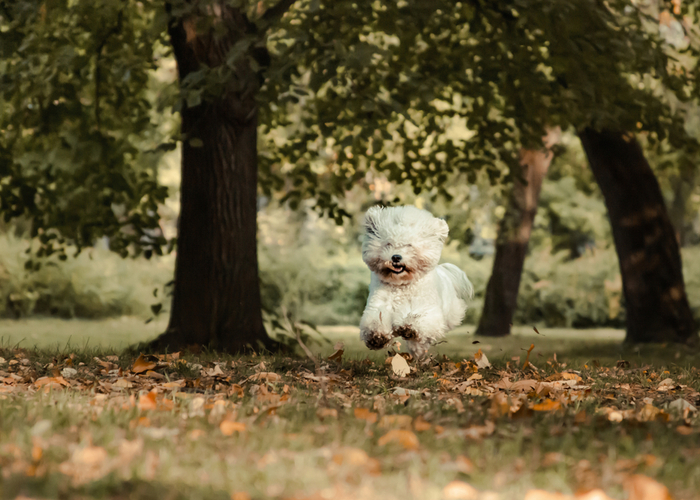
[509,71]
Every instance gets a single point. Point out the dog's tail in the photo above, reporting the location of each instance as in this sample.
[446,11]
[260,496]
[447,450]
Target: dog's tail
[459,280]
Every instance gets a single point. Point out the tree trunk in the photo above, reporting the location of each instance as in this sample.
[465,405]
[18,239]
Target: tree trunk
[645,240]
[216,299]
[513,237]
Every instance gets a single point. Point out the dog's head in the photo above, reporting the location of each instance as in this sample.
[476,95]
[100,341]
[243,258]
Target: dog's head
[402,243]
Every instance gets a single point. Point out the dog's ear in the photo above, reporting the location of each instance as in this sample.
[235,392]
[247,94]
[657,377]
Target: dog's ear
[441,229]
[371,221]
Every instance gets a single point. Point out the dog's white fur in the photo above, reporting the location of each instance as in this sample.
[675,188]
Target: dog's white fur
[412,296]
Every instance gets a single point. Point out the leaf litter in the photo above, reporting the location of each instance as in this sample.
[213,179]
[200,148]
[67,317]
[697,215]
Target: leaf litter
[382,416]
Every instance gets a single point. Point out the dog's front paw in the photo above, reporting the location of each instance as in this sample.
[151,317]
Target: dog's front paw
[407,329]
[405,332]
[375,340]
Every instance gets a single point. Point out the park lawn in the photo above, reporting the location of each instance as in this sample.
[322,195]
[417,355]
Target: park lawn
[92,422]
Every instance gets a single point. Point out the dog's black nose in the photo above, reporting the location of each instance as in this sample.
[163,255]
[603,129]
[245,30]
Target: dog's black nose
[396,258]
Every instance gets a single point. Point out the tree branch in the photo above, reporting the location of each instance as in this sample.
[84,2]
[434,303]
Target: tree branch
[277,11]
[116,29]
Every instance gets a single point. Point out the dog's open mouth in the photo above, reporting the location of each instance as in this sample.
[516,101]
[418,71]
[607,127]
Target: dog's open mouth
[397,268]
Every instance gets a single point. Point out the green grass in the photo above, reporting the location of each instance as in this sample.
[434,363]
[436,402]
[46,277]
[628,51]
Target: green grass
[97,438]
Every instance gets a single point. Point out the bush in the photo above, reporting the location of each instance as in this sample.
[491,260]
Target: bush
[98,283]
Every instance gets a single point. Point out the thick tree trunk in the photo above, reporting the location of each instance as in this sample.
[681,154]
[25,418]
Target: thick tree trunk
[645,240]
[513,237]
[216,298]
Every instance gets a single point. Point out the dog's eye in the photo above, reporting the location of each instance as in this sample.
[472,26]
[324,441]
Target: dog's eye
[388,245]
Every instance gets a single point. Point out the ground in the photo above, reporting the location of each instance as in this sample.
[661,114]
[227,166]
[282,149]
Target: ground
[578,413]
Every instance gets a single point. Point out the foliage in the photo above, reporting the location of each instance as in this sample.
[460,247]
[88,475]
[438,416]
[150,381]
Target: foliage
[430,88]
[77,143]
[94,285]
[206,426]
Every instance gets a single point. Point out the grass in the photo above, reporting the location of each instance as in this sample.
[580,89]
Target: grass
[213,426]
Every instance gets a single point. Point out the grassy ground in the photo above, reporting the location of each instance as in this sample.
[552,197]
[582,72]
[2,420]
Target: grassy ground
[78,420]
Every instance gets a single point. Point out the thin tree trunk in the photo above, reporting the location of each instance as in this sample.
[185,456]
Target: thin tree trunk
[645,240]
[513,238]
[216,298]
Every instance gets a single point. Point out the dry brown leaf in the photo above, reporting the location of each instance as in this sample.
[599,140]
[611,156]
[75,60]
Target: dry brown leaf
[479,431]
[527,385]
[684,430]
[59,381]
[228,427]
[123,383]
[596,494]
[339,351]
[142,364]
[394,421]
[175,384]
[463,464]
[365,414]
[481,360]
[399,366]
[404,437]
[459,490]
[148,401]
[547,405]
[156,375]
[645,488]
[420,424]
[266,376]
[357,457]
[327,413]
[240,495]
[168,357]
[546,495]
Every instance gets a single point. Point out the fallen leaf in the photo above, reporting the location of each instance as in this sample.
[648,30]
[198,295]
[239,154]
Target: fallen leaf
[478,432]
[527,385]
[327,413]
[546,495]
[666,385]
[547,405]
[645,488]
[142,364]
[215,372]
[339,350]
[463,464]
[405,438]
[402,421]
[400,366]
[481,360]
[148,401]
[228,427]
[365,414]
[681,405]
[176,384]
[59,381]
[240,495]
[357,457]
[459,490]
[124,383]
[420,424]
[267,376]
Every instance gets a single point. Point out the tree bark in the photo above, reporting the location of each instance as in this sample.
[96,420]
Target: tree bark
[216,299]
[645,240]
[513,238]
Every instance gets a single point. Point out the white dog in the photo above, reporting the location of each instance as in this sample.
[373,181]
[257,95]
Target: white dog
[410,295]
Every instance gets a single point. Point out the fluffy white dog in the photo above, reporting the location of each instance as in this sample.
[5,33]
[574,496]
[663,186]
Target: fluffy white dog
[410,295]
